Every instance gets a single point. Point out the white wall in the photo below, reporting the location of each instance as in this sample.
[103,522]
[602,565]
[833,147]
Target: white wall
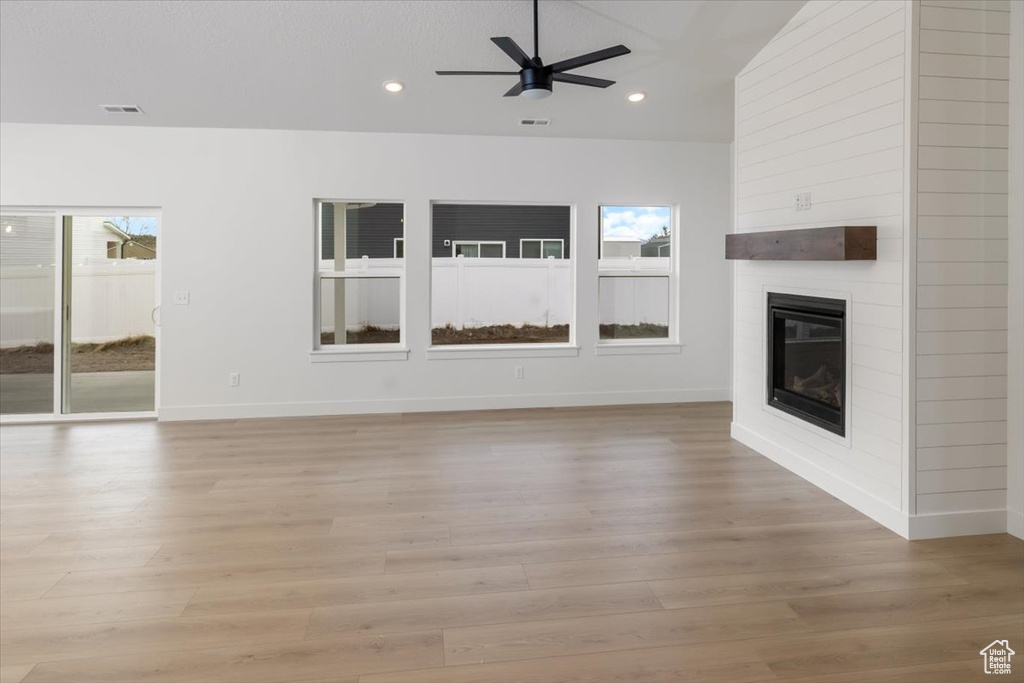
[249,195]
[961,340]
[1015,298]
[821,109]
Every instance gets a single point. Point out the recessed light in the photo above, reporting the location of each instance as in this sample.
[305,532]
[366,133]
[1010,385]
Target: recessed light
[394,86]
[9,228]
[636,97]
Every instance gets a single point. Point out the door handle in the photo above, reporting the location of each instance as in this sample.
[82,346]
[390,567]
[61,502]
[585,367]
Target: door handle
[154,315]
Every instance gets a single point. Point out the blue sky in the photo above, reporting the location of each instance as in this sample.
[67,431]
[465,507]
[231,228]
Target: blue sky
[642,222]
[136,225]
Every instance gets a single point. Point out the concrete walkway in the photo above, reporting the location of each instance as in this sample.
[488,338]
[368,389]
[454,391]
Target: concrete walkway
[91,392]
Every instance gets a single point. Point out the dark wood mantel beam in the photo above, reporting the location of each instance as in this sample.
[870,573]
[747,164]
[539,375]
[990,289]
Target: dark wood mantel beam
[842,243]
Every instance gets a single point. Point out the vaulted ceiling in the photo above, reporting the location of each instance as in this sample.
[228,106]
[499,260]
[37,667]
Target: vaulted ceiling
[312,65]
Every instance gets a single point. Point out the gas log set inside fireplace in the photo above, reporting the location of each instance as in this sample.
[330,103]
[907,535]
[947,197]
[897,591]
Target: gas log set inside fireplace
[807,359]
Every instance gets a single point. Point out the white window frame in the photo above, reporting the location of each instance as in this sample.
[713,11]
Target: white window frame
[394,249]
[641,267]
[542,240]
[554,350]
[391,268]
[478,244]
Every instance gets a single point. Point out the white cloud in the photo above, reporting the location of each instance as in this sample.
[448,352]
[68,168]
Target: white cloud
[641,222]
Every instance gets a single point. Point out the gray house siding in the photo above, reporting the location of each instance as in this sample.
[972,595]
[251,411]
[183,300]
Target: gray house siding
[370,231]
[656,246]
[498,223]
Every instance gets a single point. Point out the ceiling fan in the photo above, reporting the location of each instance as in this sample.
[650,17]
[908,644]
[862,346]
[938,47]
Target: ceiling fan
[536,78]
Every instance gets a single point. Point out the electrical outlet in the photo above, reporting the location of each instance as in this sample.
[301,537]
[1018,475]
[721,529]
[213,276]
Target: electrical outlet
[181,297]
[520,372]
[803,201]
[233,379]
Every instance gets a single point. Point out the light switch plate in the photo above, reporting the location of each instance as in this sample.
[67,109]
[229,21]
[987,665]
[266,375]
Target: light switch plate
[803,201]
[181,298]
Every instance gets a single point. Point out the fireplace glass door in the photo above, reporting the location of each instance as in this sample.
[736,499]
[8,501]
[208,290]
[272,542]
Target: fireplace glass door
[807,359]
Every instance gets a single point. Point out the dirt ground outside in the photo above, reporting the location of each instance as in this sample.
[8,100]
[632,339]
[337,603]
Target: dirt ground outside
[367,335]
[130,353]
[500,334]
[641,331]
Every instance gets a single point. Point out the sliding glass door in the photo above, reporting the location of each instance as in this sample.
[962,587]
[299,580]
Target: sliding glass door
[28,271]
[98,354]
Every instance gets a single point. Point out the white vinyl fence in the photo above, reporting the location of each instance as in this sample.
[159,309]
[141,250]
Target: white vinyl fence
[481,292]
[110,300]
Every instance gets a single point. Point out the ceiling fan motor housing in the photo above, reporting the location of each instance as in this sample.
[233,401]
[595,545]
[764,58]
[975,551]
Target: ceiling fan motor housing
[536,79]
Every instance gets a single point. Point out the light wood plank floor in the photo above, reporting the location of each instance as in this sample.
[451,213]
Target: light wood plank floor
[599,544]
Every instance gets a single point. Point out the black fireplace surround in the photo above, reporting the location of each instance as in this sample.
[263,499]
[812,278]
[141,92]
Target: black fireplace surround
[807,359]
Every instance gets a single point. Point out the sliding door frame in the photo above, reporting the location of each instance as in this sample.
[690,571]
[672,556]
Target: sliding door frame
[62,227]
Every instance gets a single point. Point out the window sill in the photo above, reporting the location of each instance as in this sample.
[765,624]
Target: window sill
[634,348]
[502,351]
[363,354]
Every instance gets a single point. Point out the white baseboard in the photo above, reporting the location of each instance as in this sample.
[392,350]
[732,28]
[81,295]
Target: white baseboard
[1015,523]
[860,500]
[966,523]
[912,527]
[421,405]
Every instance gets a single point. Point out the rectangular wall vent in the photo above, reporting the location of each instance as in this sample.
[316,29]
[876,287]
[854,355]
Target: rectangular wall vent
[121,108]
[534,122]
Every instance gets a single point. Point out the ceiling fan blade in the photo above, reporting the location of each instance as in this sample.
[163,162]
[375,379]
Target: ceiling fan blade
[477,73]
[582,80]
[515,90]
[590,58]
[509,47]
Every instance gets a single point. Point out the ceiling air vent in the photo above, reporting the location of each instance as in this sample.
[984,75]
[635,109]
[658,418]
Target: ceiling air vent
[121,108]
[534,122]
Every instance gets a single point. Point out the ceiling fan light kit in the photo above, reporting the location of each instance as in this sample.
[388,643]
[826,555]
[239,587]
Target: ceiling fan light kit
[535,78]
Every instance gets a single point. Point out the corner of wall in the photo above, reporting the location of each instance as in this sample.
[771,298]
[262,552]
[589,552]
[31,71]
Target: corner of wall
[1015,295]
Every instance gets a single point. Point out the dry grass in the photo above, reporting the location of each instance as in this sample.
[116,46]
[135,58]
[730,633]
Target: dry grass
[139,340]
[44,348]
[500,334]
[641,331]
[367,335]
[129,353]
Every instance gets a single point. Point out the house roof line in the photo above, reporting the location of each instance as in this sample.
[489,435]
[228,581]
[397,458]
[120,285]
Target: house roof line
[125,237]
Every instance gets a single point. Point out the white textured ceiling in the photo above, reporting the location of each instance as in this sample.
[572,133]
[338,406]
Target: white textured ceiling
[319,65]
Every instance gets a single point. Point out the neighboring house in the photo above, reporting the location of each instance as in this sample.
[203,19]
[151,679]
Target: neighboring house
[470,230]
[621,247]
[370,230]
[659,245]
[140,247]
[31,240]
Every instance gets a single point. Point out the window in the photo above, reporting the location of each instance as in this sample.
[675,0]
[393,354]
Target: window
[492,283]
[478,249]
[636,275]
[360,272]
[541,248]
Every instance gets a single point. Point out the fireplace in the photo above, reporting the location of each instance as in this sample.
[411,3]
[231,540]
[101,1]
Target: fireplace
[807,359]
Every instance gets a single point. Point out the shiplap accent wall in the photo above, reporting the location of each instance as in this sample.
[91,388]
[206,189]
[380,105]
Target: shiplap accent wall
[892,113]
[961,315]
[821,110]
